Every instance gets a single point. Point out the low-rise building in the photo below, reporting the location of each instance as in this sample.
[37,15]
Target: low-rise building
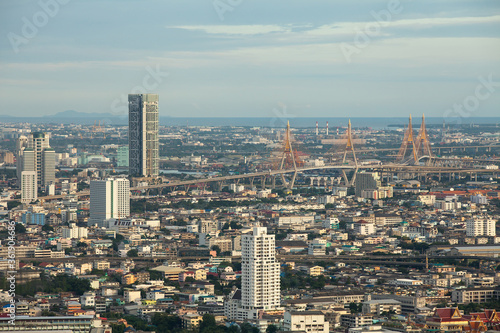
[305,321]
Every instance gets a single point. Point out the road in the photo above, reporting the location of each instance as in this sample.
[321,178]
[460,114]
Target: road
[271,173]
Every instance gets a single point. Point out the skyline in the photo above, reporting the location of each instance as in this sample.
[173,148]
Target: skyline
[249,58]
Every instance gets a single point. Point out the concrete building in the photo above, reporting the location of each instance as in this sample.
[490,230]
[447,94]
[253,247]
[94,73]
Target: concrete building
[481,227]
[363,228]
[260,282]
[74,232]
[356,320]
[367,181]
[378,307]
[143,135]
[474,295]
[65,324]
[29,188]
[109,199]
[406,282]
[484,251]
[409,304]
[31,217]
[122,157]
[317,247]
[33,153]
[305,321]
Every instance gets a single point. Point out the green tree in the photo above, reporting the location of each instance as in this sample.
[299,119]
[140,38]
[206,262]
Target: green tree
[13,204]
[166,322]
[215,248]
[208,323]
[117,328]
[47,228]
[133,253]
[271,329]
[19,228]
[248,328]
[355,307]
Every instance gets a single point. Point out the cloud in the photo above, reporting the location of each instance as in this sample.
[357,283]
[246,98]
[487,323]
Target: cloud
[256,29]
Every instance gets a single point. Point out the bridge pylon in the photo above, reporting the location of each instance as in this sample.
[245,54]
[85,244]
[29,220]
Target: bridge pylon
[408,146]
[289,158]
[423,146]
[349,148]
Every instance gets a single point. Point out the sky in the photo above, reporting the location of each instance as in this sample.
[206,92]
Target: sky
[252,58]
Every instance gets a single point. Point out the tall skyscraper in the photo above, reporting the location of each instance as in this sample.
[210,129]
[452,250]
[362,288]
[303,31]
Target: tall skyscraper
[34,154]
[109,198]
[143,135]
[260,282]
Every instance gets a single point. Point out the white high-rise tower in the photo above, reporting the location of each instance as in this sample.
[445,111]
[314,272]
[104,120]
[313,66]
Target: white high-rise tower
[109,199]
[260,282]
[28,186]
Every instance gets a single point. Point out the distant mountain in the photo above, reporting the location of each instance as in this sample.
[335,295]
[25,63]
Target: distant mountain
[69,117]
[76,114]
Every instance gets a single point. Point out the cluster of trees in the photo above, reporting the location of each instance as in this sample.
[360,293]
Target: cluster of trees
[356,307]
[167,323]
[56,284]
[142,205]
[233,225]
[478,307]
[420,247]
[300,281]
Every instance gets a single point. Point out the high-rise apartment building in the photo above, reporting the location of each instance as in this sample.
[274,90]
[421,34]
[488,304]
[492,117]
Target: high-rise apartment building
[143,135]
[29,188]
[481,227]
[109,198]
[260,282]
[34,154]
[367,181]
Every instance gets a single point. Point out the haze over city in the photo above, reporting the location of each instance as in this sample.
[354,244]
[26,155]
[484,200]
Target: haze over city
[250,166]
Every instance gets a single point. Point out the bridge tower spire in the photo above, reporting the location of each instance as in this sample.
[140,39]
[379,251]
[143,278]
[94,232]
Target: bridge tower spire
[349,148]
[423,144]
[289,158]
[408,141]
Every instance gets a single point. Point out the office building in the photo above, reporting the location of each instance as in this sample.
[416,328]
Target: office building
[122,156]
[34,154]
[143,135]
[109,198]
[367,181]
[29,188]
[260,282]
[481,227]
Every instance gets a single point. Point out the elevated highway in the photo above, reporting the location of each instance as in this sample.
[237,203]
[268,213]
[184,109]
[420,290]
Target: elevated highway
[416,169]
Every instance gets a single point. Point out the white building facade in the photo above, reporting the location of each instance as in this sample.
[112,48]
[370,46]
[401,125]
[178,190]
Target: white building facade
[109,199]
[305,321]
[481,227]
[260,282]
[29,188]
